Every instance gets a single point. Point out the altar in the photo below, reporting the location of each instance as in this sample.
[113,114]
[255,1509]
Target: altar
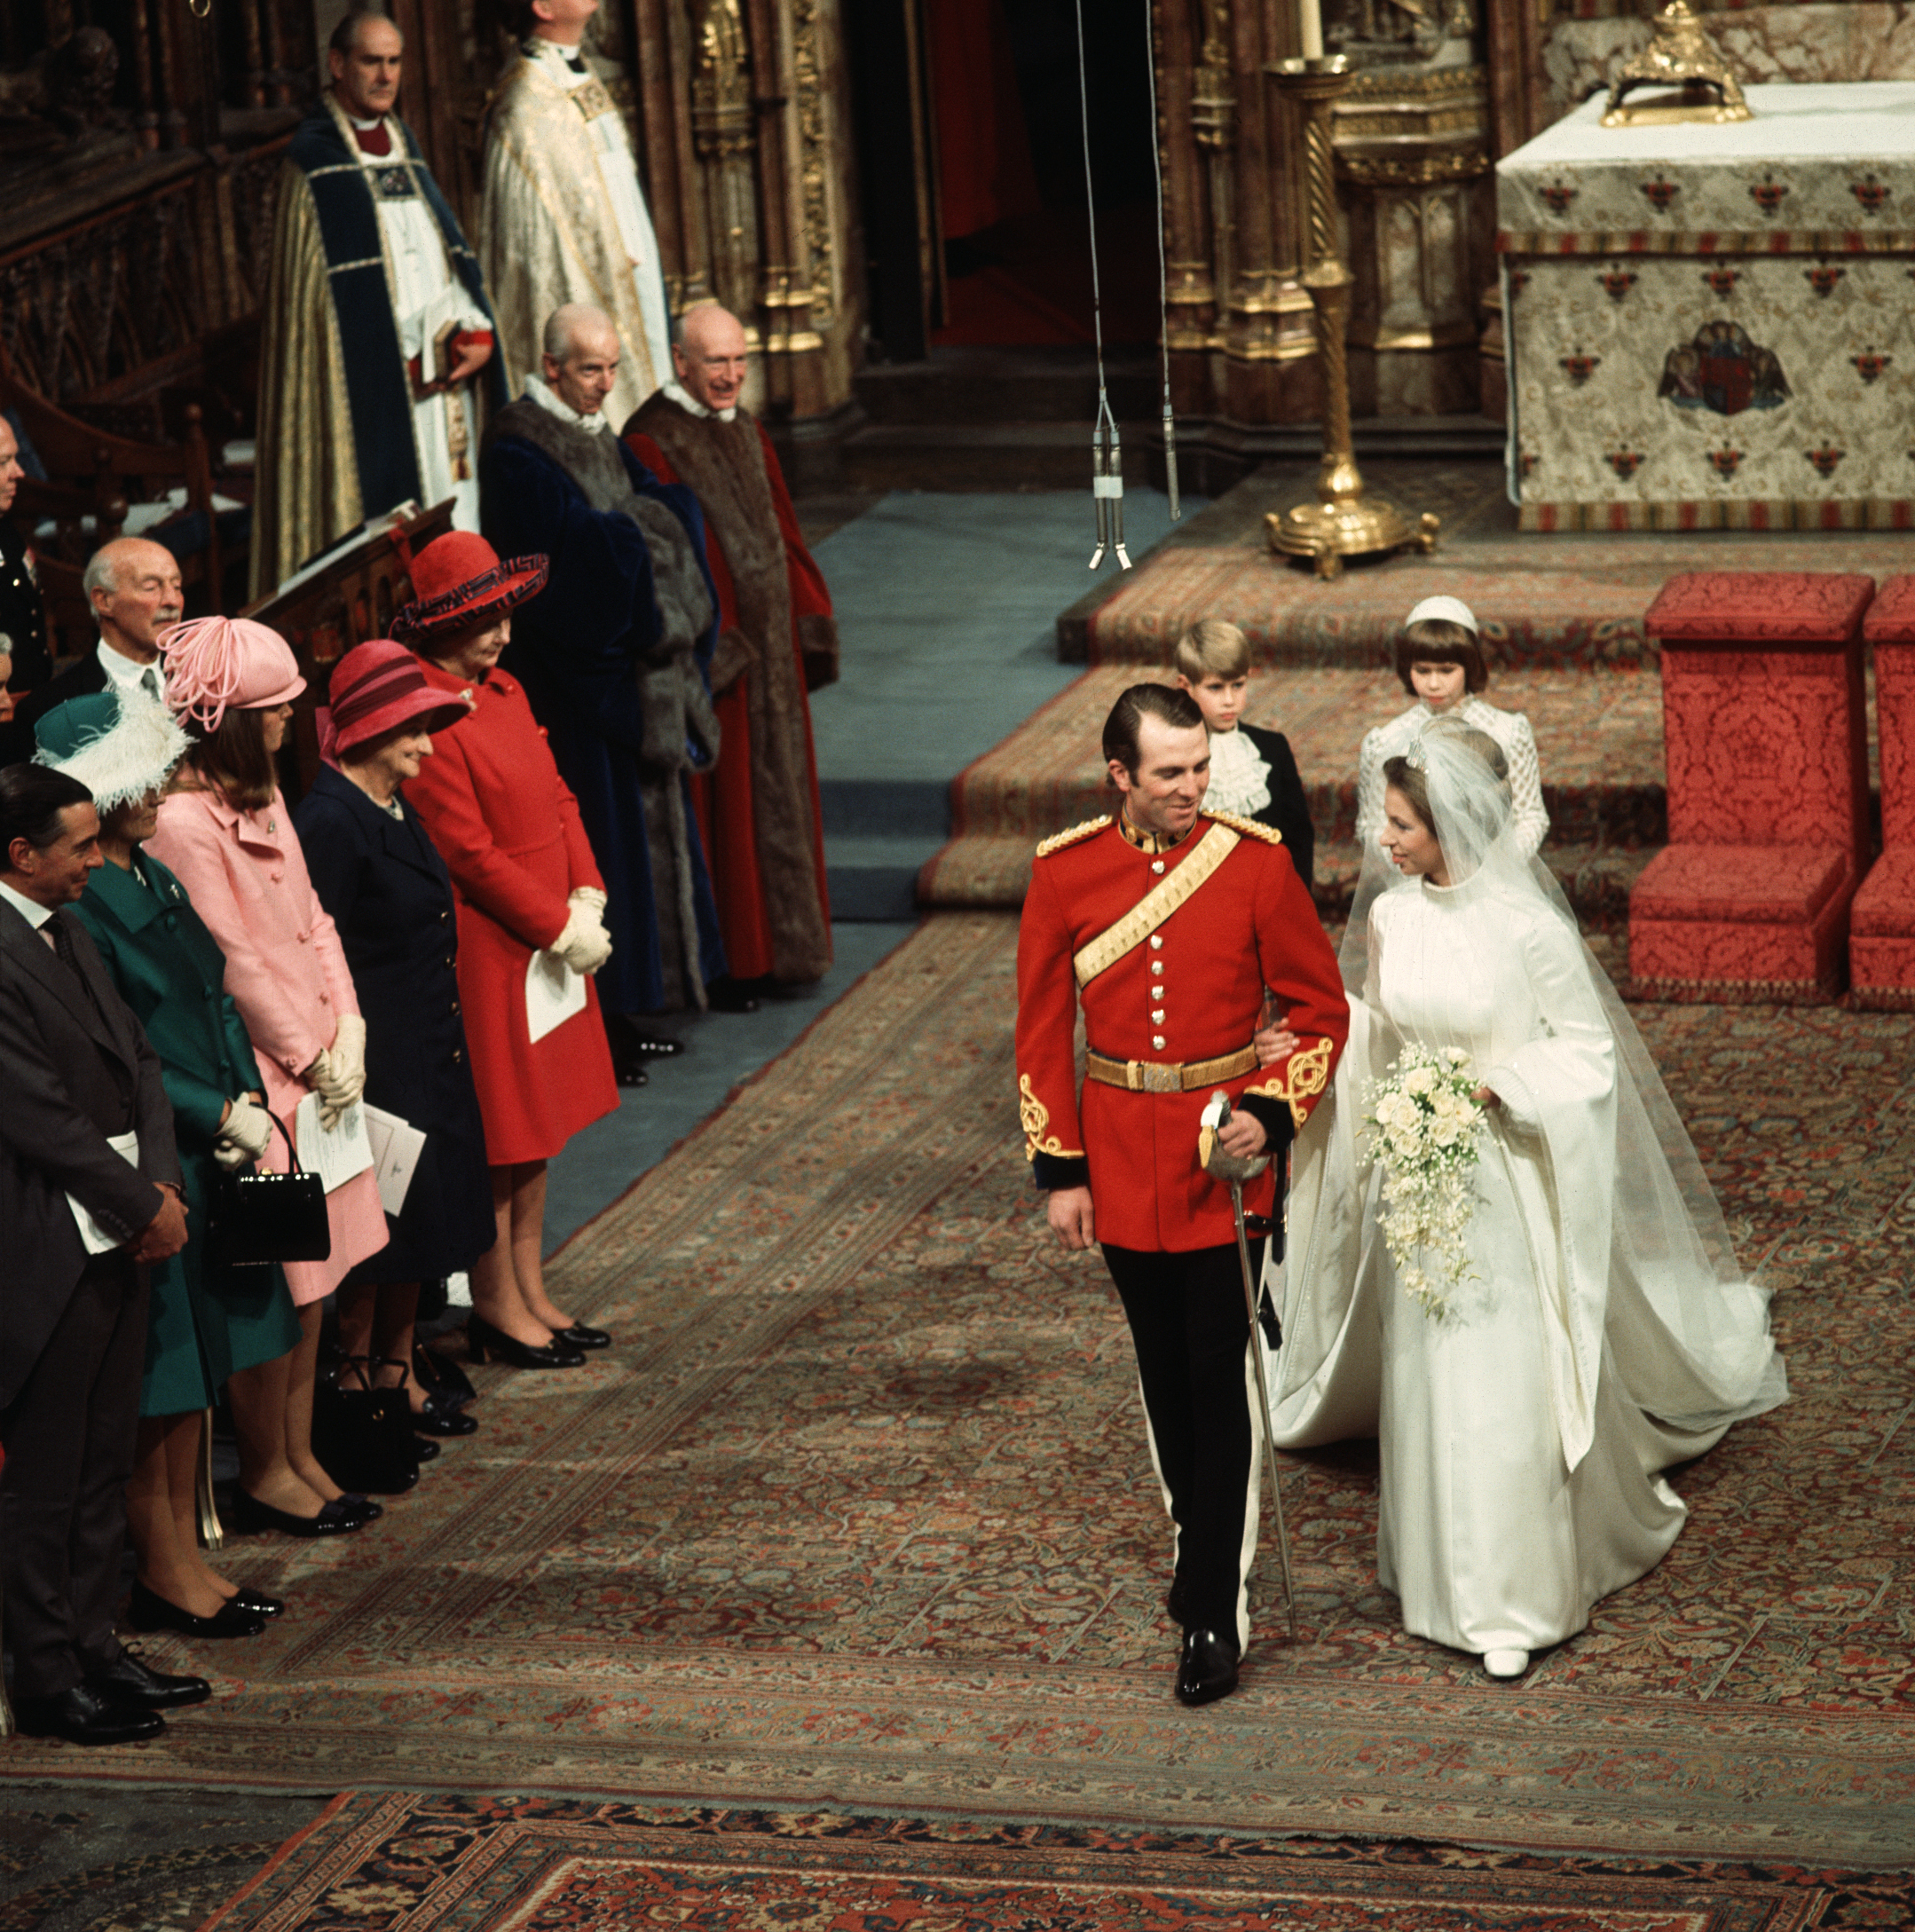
[1713,326]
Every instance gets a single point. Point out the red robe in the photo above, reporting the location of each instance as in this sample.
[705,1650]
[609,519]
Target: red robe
[1193,990]
[759,810]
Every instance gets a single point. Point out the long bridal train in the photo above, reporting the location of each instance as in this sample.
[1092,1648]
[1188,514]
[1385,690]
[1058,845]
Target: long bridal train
[1602,1333]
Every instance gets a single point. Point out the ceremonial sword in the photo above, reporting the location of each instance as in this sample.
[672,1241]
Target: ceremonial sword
[1233,1170]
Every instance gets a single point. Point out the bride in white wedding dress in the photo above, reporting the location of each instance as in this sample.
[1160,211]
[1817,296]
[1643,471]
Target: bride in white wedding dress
[1602,1331]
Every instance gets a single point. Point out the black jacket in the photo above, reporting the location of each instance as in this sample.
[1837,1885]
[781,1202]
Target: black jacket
[1289,810]
[73,1069]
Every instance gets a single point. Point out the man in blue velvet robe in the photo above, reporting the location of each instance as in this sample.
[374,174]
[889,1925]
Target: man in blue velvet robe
[615,654]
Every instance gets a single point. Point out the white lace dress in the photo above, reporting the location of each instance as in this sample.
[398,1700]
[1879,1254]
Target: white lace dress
[1510,729]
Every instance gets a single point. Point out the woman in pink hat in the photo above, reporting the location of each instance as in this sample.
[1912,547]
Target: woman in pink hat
[378,873]
[225,832]
[527,883]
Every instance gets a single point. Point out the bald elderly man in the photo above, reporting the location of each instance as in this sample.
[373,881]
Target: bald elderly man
[777,640]
[133,586]
[613,653]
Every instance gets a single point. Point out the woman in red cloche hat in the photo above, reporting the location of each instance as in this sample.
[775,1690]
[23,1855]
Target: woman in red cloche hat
[531,931]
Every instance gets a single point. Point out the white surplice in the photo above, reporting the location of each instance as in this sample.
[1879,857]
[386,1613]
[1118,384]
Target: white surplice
[1521,1434]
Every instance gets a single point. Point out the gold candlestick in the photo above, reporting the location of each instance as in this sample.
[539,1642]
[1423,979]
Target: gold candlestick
[1343,522]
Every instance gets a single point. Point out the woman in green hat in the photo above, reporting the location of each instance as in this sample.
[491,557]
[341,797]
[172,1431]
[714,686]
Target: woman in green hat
[202,1323]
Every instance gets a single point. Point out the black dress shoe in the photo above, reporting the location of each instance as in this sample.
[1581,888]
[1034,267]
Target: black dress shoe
[258,1602]
[487,1343]
[577,1335]
[643,1046]
[81,1715]
[129,1682]
[631,1073]
[442,1416]
[150,1611]
[423,1448]
[1207,1670]
[729,995]
[249,1516]
[352,1503]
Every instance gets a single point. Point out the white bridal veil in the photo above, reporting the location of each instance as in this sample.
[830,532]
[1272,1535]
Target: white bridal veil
[1685,1330]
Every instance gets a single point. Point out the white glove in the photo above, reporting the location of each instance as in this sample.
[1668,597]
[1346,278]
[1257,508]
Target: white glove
[586,896]
[583,942]
[349,1048]
[244,1134]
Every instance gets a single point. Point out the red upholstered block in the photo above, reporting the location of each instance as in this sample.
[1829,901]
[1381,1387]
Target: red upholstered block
[1885,907]
[1752,885]
[1746,607]
[1891,619]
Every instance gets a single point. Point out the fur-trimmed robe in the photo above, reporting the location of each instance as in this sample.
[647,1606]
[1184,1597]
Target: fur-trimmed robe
[777,640]
[613,654]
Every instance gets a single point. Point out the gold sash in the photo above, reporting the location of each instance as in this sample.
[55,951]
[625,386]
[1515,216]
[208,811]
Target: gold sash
[1155,906]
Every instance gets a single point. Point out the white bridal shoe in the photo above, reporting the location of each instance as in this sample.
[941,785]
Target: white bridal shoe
[1505,1663]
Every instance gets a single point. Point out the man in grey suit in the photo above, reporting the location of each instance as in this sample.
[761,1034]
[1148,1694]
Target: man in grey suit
[90,1195]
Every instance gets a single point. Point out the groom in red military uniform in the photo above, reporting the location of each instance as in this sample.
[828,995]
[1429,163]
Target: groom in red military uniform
[1170,923]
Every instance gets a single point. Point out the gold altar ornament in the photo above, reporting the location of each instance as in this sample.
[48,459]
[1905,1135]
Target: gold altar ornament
[1682,57]
[1343,522]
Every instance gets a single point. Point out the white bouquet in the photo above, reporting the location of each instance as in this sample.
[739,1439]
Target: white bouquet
[1422,1125]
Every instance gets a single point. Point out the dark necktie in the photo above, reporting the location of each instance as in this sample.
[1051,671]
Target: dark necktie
[68,957]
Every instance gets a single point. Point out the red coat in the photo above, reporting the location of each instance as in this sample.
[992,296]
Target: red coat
[509,833]
[772,923]
[1193,990]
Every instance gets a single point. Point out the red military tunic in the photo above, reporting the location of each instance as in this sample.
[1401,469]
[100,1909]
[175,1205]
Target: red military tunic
[1191,990]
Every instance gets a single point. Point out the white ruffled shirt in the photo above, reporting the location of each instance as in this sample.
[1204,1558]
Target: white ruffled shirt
[547,397]
[1510,729]
[678,393]
[1239,776]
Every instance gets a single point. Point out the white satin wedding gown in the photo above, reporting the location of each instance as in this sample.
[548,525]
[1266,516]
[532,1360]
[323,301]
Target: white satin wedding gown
[1599,1340]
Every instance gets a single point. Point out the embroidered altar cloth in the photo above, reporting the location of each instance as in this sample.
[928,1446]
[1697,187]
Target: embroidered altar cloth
[1713,326]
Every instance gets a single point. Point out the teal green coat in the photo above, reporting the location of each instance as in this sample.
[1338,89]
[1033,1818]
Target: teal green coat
[203,1324]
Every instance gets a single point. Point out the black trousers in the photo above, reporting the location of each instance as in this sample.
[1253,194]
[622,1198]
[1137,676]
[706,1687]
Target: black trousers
[1191,1332]
[70,1440]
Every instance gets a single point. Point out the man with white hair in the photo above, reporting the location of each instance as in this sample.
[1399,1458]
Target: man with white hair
[564,218]
[614,654]
[133,586]
[377,349]
[777,640]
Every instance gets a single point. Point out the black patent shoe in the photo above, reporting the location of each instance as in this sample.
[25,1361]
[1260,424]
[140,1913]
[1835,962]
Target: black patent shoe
[81,1715]
[423,1448]
[442,1417]
[1207,1670]
[577,1335]
[259,1603]
[642,1045]
[631,1073]
[488,1343]
[729,995]
[129,1682]
[249,1516]
[150,1611]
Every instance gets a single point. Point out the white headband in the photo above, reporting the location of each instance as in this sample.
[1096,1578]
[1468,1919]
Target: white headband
[1451,610]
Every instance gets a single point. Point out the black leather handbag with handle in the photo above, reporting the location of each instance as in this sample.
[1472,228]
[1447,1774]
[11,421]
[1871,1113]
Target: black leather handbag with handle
[258,1218]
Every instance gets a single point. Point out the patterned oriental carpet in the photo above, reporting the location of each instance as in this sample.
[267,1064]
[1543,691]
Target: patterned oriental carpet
[858,1516]
[501,1865]
[1542,600]
[1598,738]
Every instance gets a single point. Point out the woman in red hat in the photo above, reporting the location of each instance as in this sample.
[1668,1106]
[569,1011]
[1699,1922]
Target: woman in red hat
[378,873]
[527,885]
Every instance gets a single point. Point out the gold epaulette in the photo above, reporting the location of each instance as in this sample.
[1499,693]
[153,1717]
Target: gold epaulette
[1058,840]
[1248,827]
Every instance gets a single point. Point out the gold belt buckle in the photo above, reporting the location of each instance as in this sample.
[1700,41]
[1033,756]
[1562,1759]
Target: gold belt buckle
[1156,1077]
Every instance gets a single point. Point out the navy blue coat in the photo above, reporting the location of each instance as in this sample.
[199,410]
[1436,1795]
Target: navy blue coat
[390,894]
[1289,810]
[575,647]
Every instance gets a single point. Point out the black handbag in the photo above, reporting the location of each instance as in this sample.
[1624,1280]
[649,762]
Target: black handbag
[363,1436]
[258,1218]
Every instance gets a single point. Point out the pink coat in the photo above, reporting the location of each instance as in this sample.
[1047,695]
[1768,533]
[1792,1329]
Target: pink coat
[287,974]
